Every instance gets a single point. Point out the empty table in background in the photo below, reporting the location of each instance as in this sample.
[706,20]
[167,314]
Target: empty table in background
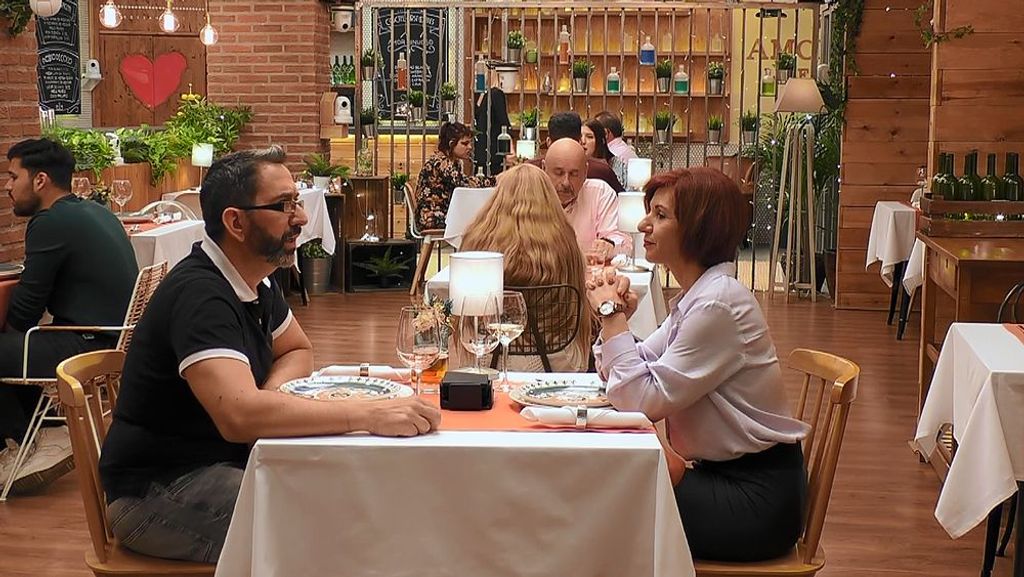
[169,242]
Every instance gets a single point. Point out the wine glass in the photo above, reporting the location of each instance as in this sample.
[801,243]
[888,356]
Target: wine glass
[81,187]
[510,325]
[121,193]
[478,323]
[418,342]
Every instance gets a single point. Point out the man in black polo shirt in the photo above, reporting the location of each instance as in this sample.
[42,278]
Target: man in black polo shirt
[79,266]
[200,381]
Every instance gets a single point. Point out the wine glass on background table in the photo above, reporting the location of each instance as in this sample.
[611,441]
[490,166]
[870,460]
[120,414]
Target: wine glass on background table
[478,322]
[511,322]
[81,187]
[418,342]
[121,193]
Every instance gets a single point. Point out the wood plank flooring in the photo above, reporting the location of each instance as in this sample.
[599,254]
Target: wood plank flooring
[880,521]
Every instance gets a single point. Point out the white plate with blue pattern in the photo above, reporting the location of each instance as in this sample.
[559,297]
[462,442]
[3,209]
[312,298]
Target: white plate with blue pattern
[339,388]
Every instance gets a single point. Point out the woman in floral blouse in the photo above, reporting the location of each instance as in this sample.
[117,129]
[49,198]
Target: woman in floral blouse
[442,174]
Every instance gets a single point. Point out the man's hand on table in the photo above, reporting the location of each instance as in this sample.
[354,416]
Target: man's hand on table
[401,417]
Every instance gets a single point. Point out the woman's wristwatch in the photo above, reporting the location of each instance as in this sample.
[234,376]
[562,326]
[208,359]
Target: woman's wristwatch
[609,308]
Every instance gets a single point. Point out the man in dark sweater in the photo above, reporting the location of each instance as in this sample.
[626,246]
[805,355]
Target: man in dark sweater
[569,125]
[79,267]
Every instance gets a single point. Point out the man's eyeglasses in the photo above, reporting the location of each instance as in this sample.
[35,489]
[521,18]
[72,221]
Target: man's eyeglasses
[286,206]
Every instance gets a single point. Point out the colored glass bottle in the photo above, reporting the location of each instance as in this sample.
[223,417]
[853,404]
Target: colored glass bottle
[613,85]
[681,81]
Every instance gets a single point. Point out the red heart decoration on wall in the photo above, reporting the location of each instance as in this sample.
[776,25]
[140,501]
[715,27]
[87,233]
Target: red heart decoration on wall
[151,82]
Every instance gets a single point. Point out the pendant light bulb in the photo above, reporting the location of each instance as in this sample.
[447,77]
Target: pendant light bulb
[45,8]
[168,20]
[208,35]
[110,15]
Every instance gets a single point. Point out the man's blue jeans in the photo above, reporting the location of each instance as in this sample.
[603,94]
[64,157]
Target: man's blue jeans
[187,519]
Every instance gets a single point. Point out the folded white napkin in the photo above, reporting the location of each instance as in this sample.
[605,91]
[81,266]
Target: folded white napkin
[595,417]
[378,371]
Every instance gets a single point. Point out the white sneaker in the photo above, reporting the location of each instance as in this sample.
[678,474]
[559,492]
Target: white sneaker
[51,458]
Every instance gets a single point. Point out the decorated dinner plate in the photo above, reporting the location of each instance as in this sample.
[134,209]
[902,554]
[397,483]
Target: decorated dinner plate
[561,392]
[8,270]
[331,388]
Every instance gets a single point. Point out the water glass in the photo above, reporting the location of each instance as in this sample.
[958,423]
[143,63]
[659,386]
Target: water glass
[121,193]
[511,323]
[478,328]
[81,187]
[418,342]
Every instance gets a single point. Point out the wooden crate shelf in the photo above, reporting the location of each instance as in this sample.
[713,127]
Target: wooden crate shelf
[983,224]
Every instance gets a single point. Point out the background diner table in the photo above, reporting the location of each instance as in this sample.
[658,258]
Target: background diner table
[459,502]
[169,242]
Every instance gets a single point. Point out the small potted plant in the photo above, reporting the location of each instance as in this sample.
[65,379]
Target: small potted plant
[663,72]
[385,269]
[449,94]
[716,73]
[786,66]
[416,105]
[399,182]
[581,70]
[715,129]
[368,120]
[515,43]
[369,60]
[320,168]
[748,124]
[315,263]
[528,118]
[663,121]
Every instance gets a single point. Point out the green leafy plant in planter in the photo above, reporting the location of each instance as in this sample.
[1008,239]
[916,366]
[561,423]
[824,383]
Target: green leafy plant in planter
[399,180]
[715,122]
[318,164]
[748,121]
[313,249]
[716,70]
[367,117]
[786,61]
[370,58]
[516,40]
[449,91]
[144,144]
[663,69]
[528,117]
[199,121]
[416,98]
[17,14]
[90,148]
[384,268]
[664,119]
[316,270]
[582,68]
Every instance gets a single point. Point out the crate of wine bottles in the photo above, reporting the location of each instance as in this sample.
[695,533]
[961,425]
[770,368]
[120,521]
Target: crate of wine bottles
[941,217]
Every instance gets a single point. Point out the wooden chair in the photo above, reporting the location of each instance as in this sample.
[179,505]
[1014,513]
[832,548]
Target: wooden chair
[428,237]
[823,372]
[79,383]
[552,322]
[145,284]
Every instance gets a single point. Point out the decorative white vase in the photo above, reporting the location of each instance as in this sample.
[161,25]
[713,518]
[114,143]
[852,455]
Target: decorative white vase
[321,182]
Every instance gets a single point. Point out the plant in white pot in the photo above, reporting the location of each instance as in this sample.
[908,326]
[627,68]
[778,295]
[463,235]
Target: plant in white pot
[716,75]
[748,125]
[515,43]
[369,60]
[416,100]
[715,124]
[786,66]
[368,120]
[581,70]
[449,95]
[399,182]
[663,73]
[528,118]
[320,168]
[315,263]
[663,121]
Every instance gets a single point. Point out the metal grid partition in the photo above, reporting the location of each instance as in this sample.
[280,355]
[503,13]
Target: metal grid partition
[746,37]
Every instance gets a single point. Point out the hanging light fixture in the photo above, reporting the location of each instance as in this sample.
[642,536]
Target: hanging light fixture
[45,8]
[110,15]
[168,20]
[208,35]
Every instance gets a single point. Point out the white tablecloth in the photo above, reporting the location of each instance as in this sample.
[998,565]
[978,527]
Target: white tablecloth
[913,277]
[978,386]
[457,504]
[170,242]
[462,211]
[893,227]
[650,312]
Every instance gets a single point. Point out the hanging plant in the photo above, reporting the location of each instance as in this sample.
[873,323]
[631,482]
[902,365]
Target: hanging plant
[928,32]
[17,14]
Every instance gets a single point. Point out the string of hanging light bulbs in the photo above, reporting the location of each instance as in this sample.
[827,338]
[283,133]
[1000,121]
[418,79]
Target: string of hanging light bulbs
[168,21]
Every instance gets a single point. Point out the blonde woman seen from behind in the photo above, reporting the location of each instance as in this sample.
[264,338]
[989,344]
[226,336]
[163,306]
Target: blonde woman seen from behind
[524,221]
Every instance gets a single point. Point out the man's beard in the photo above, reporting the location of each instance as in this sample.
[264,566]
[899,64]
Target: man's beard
[567,197]
[28,207]
[273,249]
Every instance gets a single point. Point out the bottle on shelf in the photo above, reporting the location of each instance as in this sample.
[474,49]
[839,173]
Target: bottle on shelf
[351,70]
[717,39]
[768,82]
[666,43]
[1013,185]
[940,180]
[647,52]
[563,45]
[547,87]
[970,182]
[991,185]
[564,83]
[681,81]
[613,85]
[402,72]
[336,79]
[480,75]
[504,142]
[531,52]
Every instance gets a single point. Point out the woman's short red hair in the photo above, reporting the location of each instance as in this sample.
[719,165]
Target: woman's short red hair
[710,211]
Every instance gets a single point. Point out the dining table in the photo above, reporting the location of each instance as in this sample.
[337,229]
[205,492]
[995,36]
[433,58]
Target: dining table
[171,242]
[489,493]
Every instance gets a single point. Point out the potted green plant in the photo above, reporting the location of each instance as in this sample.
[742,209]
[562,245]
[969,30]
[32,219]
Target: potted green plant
[663,73]
[449,94]
[416,105]
[786,66]
[368,120]
[663,121]
[315,263]
[515,43]
[320,168]
[369,60]
[528,118]
[90,148]
[399,182]
[716,73]
[715,123]
[384,268]
[581,70]
[748,125]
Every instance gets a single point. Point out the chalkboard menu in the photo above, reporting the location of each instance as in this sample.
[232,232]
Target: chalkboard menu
[422,34]
[60,62]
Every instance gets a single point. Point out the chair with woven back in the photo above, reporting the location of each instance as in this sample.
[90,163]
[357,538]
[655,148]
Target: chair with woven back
[428,237]
[552,321]
[829,388]
[145,284]
[80,383]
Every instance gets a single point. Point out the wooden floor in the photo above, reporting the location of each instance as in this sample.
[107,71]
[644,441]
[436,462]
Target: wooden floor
[881,517]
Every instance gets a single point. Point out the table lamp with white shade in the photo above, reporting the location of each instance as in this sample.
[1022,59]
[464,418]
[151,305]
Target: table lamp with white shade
[202,156]
[796,183]
[475,289]
[631,212]
[638,172]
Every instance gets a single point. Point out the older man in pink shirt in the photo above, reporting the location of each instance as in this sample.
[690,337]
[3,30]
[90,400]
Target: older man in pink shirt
[591,205]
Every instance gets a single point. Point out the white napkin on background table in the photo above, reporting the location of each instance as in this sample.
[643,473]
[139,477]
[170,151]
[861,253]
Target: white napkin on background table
[377,371]
[595,417]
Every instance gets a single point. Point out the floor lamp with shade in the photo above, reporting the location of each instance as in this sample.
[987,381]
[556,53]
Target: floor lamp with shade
[796,183]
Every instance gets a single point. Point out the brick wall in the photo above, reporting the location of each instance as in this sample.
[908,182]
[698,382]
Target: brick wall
[272,56]
[19,119]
